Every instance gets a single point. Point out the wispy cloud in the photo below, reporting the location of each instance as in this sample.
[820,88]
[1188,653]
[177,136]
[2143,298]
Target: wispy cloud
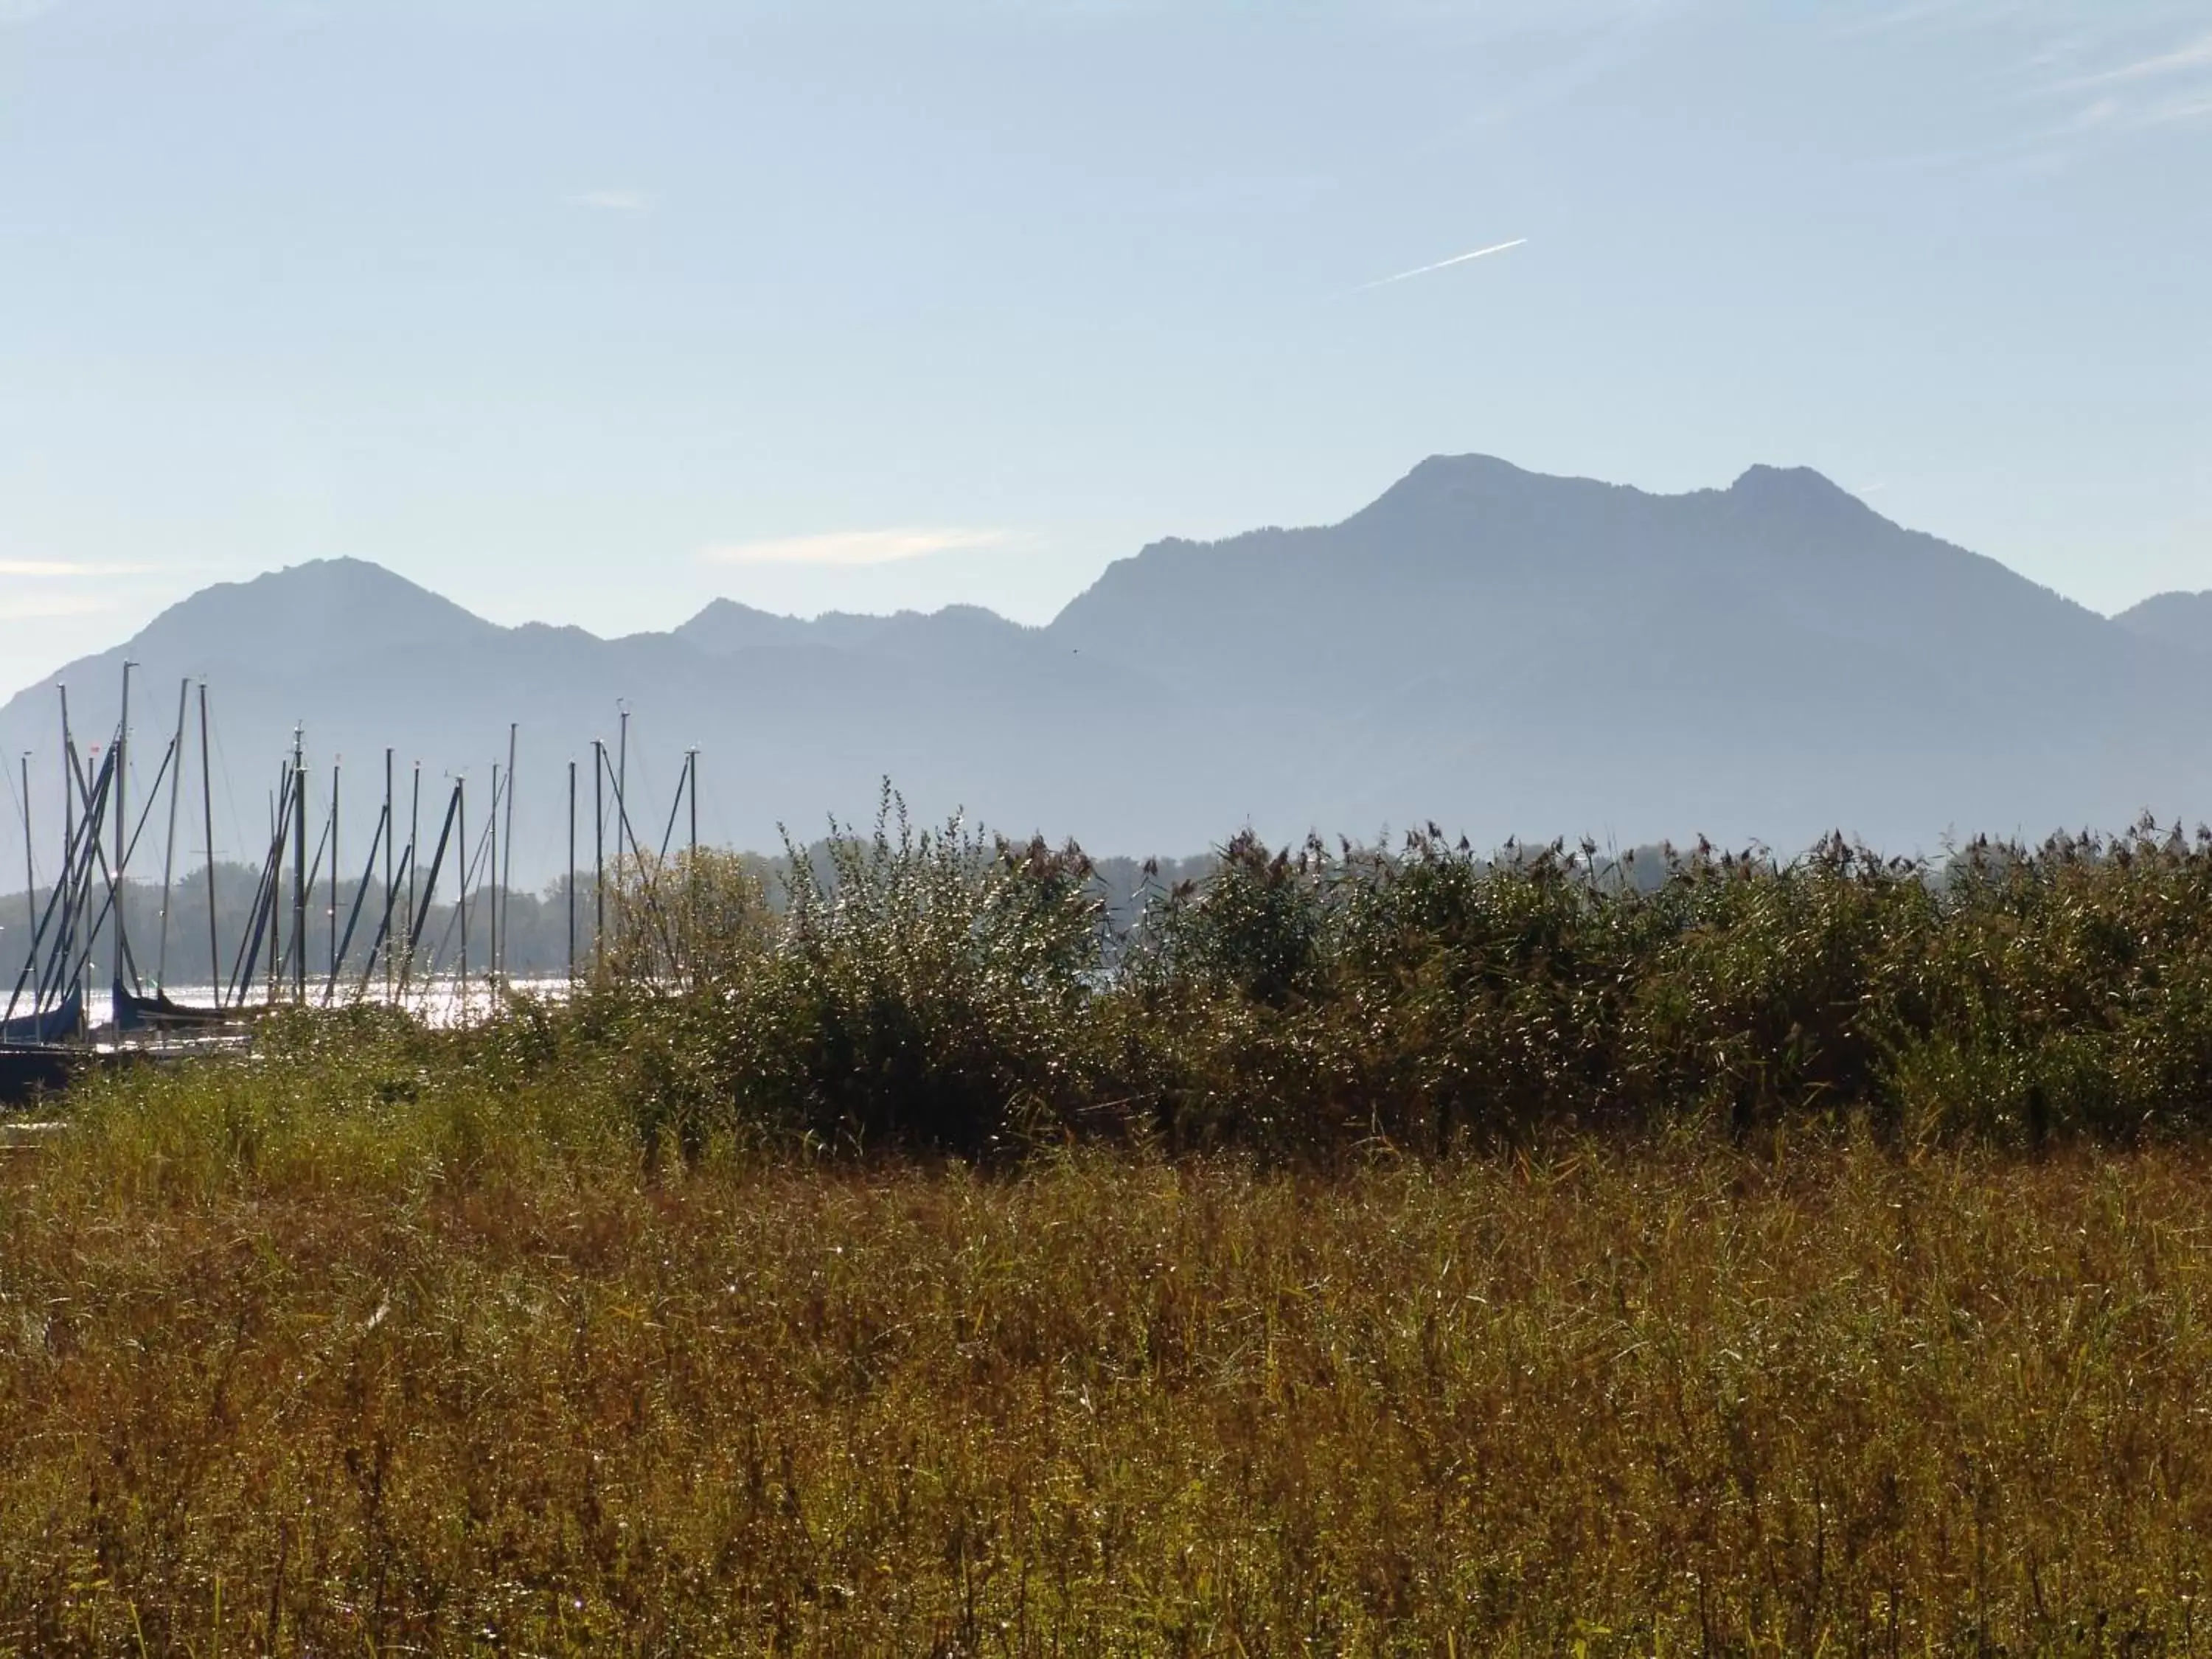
[2194,54]
[46,605]
[2169,88]
[612,201]
[2111,73]
[22,11]
[1443,264]
[849,547]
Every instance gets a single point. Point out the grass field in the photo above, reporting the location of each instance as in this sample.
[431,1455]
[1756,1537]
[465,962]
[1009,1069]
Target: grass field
[1414,1255]
[467,1377]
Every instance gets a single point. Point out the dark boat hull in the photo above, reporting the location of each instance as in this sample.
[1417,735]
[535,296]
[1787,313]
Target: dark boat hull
[26,1071]
[42,1029]
[158,1014]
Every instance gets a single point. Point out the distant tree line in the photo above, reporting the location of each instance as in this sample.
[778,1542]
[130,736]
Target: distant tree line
[534,937]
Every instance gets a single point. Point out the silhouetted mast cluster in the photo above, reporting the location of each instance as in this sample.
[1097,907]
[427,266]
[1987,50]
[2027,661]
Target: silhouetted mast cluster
[392,916]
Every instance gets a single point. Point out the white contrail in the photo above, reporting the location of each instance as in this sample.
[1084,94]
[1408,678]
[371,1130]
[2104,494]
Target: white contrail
[1456,259]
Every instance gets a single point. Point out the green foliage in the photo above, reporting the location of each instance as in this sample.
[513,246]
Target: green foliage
[934,990]
[918,989]
[635,1320]
[1430,996]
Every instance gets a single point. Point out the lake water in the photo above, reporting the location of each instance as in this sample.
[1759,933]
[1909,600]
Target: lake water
[442,1002]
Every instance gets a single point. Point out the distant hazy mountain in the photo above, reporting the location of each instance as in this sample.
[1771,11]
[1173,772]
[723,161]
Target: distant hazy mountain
[1501,652]
[2178,619]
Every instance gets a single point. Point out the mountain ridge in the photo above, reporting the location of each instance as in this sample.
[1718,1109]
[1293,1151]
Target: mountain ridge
[1505,651]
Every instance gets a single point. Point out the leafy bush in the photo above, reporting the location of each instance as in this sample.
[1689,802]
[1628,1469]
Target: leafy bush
[927,990]
[935,990]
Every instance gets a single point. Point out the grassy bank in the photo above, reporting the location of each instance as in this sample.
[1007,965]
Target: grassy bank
[1413,1252]
[467,1375]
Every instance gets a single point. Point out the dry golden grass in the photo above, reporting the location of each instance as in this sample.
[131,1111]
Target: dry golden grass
[259,1393]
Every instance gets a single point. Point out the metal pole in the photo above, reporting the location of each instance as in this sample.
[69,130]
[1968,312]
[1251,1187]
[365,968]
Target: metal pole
[413,840]
[334,872]
[691,864]
[31,868]
[207,822]
[569,875]
[598,853]
[390,834]
[122,823]
[461,822]
[281,832]
[622,798]
[491,848]
[300,865]
[68,876]
[506,882]
[169,857]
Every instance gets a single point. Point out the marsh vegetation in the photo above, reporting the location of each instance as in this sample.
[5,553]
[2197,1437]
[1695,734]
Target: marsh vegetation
[1406,1251]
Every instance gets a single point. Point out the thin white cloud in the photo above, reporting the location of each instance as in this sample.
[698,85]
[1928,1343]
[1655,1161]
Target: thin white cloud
[1443,264]
[22,11]
[852,547]
[2176,111]
[612,201]
[2189,55]
[47,605]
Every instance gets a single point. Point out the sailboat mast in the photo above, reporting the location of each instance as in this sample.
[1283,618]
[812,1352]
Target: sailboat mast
[491,833]
[390,834]
[207,826]
[570,872]
[461,823]
[506,882]
[299,865]
[691,864]
[598,853]
[334,872]
[122,753]
[413,840]
[122,819]
[30,866]
[280,828]
[68,876]
[621,796]
[169,855]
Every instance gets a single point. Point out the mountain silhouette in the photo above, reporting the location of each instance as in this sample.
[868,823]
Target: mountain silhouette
[2184,620]
[1499,650]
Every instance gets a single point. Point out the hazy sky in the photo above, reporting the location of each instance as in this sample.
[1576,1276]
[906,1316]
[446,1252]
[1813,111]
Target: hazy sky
[590,313]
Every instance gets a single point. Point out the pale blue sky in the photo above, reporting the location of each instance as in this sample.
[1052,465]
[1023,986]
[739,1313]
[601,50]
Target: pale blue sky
[552,306]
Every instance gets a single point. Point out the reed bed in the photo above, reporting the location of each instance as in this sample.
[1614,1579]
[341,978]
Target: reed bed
[1617,1400]
[1361,1253]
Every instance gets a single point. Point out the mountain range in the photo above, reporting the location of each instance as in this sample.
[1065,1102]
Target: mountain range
[1500,651]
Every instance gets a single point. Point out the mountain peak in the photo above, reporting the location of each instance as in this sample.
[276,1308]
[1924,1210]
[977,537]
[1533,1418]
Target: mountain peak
[1798,484]
[1445,491]
[314,614]
[2172,618]
[1441,477]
